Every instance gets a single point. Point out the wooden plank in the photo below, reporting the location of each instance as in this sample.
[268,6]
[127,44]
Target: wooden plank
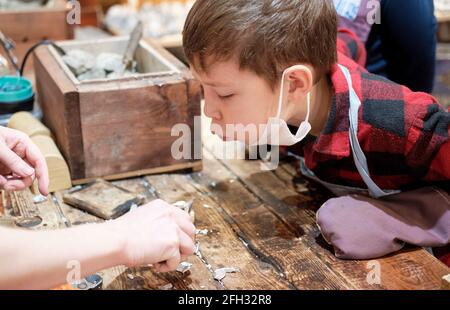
[37,24]
[266,234]
[221,247]
[122,277]
[103,199]
[19,205]
[198,278]
[408,269]
[61,98]
[194,166]
[109,128]
[123,138]
[280,195]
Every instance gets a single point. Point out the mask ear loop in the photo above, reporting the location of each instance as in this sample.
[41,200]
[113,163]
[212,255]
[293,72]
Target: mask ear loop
[308,106]
[281,98]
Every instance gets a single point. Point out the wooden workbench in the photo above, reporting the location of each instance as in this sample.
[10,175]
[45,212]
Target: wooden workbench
[261,222]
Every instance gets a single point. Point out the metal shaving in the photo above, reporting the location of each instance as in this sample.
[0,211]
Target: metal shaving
[166,287]
[219,274]
[197,250]
[184,267]
[186,207]
[203,232]
[39,199]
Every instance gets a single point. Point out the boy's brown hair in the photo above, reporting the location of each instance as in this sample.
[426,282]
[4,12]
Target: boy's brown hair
[265,36]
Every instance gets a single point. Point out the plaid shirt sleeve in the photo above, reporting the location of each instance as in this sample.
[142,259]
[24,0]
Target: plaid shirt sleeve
[405,135]
[426,148]
[351,46]
[428,144]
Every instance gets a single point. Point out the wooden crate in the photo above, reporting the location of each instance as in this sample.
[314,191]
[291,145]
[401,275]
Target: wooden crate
[116,128]
[27,27]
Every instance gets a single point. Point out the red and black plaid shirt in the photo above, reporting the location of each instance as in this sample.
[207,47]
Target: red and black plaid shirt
[404,134]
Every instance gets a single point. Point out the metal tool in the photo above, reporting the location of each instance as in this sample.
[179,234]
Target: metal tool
[9,45]
[133,43]
[92,282]
[4,69]
[28,222]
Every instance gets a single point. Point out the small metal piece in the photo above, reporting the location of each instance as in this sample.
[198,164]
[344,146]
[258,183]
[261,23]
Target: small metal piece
[9,45]
[4,70]
[203,232]
[61,213]
[185,206]
[219,274]
[28,222]
[166,287]
[75,189]
[133,43]
[92,282]
[184,267]
[197,250]
[133,207]
[189,205]
[39,199]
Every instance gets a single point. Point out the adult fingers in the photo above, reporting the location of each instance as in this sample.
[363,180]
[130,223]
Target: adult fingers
[2,181]
[181,213]
[186,226]
[170,264]
[35,157]
[18,184]
[186,244]
[16,164]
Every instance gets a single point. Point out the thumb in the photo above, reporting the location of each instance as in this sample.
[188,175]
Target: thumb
[16,164]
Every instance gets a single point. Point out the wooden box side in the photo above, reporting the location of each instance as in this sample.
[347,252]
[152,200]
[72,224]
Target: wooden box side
[130,129]
[59,101]
[121,127]
[24,26]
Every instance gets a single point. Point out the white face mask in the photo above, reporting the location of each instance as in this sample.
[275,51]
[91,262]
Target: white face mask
[276,131]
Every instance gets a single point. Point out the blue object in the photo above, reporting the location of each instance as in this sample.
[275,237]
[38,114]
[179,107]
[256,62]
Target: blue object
[16,94]
[403,47]
[14,89]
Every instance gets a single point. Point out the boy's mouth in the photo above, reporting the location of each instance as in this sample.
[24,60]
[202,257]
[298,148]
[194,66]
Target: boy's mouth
[224,138]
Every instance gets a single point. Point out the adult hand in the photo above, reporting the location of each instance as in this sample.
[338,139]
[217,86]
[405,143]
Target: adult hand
[21,162]
[157,233]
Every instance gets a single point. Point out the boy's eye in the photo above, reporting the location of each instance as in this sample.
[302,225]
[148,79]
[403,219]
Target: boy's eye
[226,97]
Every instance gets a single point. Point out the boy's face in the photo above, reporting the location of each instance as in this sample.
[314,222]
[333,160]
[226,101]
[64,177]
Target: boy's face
[236,97]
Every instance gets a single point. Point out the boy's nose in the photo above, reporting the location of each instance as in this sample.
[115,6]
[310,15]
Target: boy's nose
[211,110]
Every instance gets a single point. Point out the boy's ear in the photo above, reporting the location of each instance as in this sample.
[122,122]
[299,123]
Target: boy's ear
[300,80]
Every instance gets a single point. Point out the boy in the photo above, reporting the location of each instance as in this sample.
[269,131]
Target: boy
[280,63]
